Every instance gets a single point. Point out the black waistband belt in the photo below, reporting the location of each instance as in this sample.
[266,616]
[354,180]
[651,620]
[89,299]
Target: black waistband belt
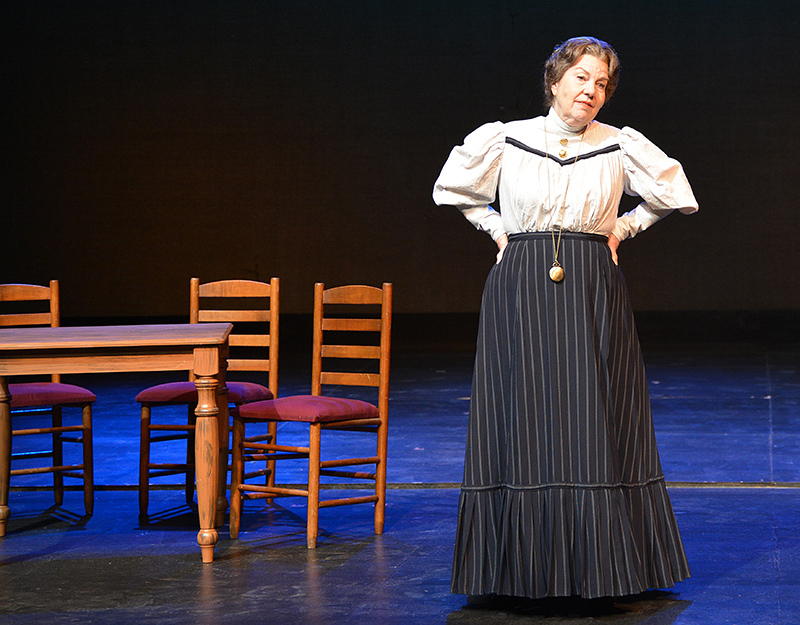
[565,234]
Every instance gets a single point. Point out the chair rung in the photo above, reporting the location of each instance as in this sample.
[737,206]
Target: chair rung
[246,495]
[258,439]
[32,411]
[48,430]
[354,424]
[330,503]
[38,470]
[165,473]
[170,437]
[348,462]
[356,475]
[273,490]
[370,429]
[258,446]
[274,456]
[167,427]
[28,455]
[271,447]
[70,439]
[167,465]
[259,473]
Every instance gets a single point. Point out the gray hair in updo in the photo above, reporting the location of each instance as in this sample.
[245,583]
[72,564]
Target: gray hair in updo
[566,54]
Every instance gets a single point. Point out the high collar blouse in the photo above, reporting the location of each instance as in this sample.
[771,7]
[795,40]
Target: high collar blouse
[546,174]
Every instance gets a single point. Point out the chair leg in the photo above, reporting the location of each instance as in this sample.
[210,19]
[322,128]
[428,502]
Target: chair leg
[272,432]
[312,525]
[380,479]
[237,476]
[189,486]
[58,456]
[224,438]
[144,460]
[271,464]
[88,460]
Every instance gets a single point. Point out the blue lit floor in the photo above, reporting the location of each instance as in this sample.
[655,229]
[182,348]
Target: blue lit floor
[728,424]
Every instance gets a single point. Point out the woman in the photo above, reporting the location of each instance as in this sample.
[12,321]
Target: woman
[563,492]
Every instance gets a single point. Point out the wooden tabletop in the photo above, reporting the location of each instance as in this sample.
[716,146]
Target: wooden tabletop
[88,337]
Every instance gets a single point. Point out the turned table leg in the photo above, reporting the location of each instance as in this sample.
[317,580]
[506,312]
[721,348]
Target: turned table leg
[207,463]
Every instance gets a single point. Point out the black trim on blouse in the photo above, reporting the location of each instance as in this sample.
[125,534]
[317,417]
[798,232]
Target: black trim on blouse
[568,161]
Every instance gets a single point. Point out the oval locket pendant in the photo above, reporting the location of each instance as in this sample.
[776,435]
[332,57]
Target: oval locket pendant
[556,273]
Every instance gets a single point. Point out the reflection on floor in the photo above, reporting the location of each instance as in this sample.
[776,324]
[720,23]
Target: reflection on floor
[728,426]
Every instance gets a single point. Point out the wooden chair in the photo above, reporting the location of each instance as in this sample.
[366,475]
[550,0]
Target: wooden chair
[323,412]
[31,399]
[244,303]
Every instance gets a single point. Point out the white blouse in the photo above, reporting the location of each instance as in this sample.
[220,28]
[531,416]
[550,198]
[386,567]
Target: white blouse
[550,175]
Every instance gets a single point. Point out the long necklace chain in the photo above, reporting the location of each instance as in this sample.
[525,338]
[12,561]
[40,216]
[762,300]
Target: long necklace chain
[556,272]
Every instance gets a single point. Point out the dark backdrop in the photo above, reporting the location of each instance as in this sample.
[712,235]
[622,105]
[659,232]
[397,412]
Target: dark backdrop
[147,142]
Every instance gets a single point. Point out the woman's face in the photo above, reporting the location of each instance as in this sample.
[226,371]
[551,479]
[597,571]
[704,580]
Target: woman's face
[581,92]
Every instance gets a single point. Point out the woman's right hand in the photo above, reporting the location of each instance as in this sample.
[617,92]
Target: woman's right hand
[613,244]
[502,241]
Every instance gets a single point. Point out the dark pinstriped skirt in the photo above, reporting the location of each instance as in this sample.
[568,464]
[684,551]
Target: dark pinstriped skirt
[563,491]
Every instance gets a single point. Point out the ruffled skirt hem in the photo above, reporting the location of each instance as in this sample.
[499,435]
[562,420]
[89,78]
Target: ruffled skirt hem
[567,540]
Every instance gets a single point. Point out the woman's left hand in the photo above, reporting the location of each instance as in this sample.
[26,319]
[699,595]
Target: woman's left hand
[613,244]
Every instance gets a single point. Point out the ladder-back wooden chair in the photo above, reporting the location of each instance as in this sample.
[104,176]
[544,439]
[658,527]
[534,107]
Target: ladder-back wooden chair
[324,412]
[250,306]
[34,305]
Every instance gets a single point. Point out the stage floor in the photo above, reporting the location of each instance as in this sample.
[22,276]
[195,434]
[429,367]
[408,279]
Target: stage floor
[728,425]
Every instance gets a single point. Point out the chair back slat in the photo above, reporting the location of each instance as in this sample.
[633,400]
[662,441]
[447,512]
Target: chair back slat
[232,316]
[350,379]
[25,319]
[351,351]
[249,364]
[249,340]
[353,294]
[351,325]
[24,293]
[235,288]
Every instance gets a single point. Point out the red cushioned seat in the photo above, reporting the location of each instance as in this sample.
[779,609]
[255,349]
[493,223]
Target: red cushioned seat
[186,393]
[308,409]
[35,394]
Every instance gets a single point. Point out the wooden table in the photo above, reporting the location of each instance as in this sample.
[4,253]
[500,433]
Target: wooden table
[200,348]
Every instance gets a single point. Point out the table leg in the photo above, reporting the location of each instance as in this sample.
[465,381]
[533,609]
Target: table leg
[5,453]
[206,447]
[223,424]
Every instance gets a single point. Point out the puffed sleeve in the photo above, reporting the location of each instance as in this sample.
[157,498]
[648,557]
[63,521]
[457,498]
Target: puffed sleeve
[468,179]
[656,178]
